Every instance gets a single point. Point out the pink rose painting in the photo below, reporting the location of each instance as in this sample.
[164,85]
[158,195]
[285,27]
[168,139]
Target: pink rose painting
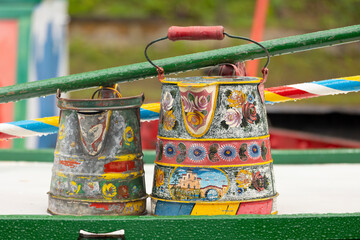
[241,110]
[233,117]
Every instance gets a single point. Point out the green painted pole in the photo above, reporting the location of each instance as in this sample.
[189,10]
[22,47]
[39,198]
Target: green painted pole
[181,63]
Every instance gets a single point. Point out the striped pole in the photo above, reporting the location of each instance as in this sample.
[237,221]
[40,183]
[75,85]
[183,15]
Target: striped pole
[312,89]
[50,125]
[148,112]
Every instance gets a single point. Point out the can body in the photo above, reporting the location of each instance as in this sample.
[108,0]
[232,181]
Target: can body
[98,166]
[213,149]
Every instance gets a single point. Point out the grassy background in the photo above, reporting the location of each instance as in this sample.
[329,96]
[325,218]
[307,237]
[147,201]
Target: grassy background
[285,18]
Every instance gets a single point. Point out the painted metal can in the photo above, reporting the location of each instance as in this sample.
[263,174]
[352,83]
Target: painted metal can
[98,167]
[213,149]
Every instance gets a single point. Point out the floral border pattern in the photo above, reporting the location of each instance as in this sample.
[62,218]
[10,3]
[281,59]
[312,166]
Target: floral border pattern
[213,153]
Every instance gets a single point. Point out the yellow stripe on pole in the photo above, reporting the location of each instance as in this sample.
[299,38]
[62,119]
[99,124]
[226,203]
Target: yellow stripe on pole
[353,78]
[273,97]
[155,107]
[54,121]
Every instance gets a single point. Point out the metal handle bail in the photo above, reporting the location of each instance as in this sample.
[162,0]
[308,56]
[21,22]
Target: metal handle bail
[194,33]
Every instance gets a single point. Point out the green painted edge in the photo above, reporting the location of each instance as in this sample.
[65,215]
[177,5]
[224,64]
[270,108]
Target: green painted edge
[310,156]
[16,10]
[302,226]
[22,70]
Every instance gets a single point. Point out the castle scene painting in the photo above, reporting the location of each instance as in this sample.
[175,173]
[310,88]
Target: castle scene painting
[196,184]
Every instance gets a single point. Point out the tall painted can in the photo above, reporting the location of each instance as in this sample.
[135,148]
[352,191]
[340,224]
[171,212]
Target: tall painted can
[98,165]
[213,149]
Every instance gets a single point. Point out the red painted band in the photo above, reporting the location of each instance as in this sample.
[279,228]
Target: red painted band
[213,153]
[196,33]
[118,167]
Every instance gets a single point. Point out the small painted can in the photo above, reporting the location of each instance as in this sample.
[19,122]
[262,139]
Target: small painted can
[98,166]
[213,149]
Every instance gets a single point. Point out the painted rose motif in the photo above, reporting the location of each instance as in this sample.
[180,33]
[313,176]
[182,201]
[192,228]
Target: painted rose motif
[241,110]
[109,190]
[201,103]
[236,99]
[198,108]
[249,112]
[169,120]
[167,102]
[258,181]
[187,104]
[128,135]
[159,178]
[244,178]
[195,118]
[233,117]
[167,117]
[123,191]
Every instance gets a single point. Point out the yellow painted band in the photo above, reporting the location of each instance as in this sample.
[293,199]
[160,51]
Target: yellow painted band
[214,166]
[54,121]
[99,200]
[216,202]
[127,157]
[106,176]
[273,97]
[274,213]
[155,107]
[109,176]
[185,84]
[213,139]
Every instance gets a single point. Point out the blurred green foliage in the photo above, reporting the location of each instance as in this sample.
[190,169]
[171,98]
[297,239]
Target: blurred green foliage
[302,14]
[287,17]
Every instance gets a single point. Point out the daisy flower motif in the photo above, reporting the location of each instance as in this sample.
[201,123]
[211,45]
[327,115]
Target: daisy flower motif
[228,153]
[170,150]
[197,153]
[250,98]
[254,150]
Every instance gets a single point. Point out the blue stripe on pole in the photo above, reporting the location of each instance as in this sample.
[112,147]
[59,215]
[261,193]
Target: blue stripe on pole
[148,115]
[340,84]
[36,126]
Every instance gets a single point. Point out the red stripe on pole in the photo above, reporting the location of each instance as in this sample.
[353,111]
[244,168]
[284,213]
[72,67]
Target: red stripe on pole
[257,32]
[291,92]
[4,136]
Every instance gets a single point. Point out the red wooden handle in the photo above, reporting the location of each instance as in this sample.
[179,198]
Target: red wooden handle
[196,33]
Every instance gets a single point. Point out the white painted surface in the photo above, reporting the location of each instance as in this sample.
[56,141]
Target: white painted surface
[328,188]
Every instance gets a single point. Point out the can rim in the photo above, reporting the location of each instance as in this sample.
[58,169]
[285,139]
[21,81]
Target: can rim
[203,81]
[99,104]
